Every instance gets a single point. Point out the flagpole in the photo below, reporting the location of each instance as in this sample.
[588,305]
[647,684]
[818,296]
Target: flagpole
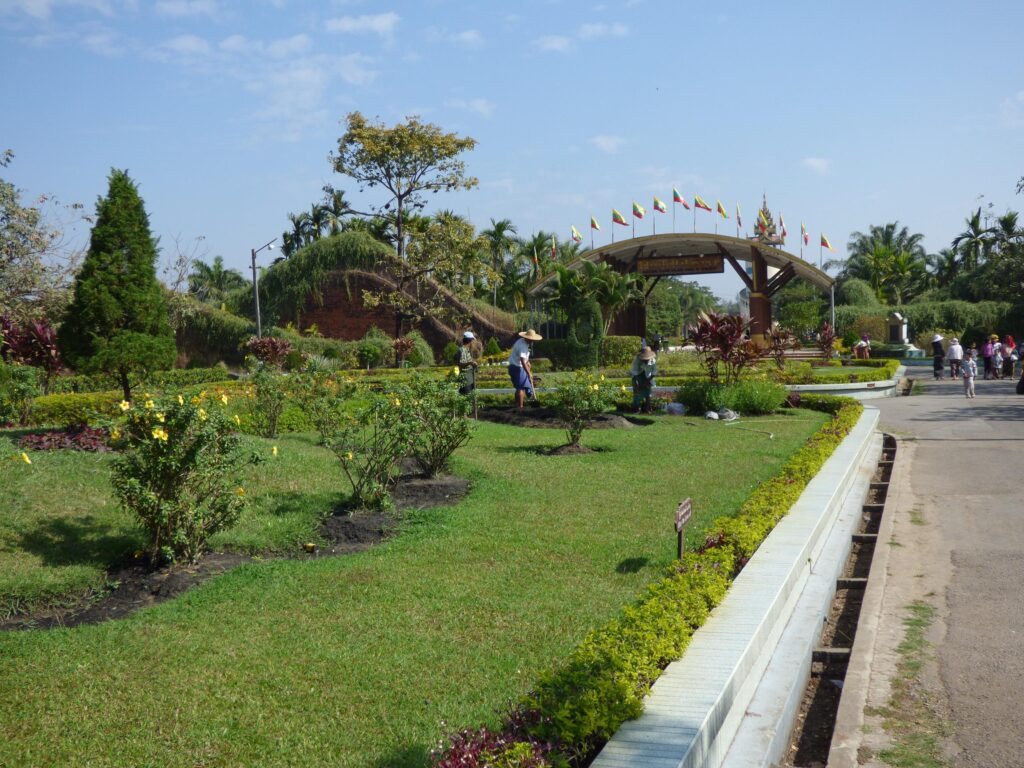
[654,220]
[673,212]
[613,229]
[695,217]
[819,254]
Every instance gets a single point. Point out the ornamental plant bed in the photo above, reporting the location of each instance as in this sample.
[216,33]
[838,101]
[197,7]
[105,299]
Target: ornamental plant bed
[544,417]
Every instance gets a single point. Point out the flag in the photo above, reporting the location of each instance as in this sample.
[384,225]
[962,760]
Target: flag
[782,226]
[677,198]
[638,210]
[554,247]
[659,206]
[721,210]
[700,203]
[804,233]
[826,244]
[762,222]
[576,236]
[594,224]
[739,217]
[535,258]
[618,218]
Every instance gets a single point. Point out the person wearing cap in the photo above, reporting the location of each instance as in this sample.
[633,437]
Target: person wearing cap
[938,356]
[955,354]
[519,369]
[643,371]
[467,365]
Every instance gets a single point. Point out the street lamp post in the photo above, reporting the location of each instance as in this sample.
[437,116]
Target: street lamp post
[255,285]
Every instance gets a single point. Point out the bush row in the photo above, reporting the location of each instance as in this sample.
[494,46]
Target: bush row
[178,377]
[581,703]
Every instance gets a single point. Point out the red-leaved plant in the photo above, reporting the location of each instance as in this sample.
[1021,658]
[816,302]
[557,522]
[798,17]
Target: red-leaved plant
[269,350]
[80,438]
[826,341]
[34,343]
[722,342]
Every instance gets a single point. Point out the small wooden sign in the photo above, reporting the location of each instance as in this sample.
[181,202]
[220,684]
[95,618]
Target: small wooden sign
[683,514]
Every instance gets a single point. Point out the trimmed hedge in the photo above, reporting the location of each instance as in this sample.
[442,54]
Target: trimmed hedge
[73,409]
[619,350]
[581,703]
[177,377]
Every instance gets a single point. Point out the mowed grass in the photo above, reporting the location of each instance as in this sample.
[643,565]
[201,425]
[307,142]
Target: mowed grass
[368,660]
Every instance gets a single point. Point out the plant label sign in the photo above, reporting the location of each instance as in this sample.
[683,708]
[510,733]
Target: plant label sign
[683,514]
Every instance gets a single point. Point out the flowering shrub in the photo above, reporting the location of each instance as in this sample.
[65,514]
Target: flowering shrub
[34,343]
[78,438]
[438,413]
[579,400]
[179,471]
[269,397]
[269,350]
[321,395]
[369,443]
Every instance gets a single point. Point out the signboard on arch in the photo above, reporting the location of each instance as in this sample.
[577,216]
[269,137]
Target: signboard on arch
[680,265]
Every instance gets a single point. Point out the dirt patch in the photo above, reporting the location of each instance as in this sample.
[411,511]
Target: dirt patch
[817,717]
[139,585]
[547,418]
[569,450]
[841,625]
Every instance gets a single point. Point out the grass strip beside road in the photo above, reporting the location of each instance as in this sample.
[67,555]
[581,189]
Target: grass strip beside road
[360,660]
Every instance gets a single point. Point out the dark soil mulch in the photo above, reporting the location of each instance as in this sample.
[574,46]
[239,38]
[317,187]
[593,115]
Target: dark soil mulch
[140,585]
[544,417]
[569,450]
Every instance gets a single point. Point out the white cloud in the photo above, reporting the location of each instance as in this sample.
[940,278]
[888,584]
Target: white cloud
[605,143]
[382,24]
[182,8]
[43,9]
[590,31]
[187,45]
[354,70]
[102,42]
[236,44]
[470,38]
[288,46]
[1011,111]
[817,164]
[483,107]
[556,43]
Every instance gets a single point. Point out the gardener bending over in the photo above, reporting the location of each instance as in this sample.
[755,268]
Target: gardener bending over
[519,369]
[467,365]
[645,368]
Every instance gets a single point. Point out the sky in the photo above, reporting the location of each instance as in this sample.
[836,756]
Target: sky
[845,115]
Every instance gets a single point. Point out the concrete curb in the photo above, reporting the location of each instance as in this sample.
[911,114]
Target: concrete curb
[848,734]
[695,708]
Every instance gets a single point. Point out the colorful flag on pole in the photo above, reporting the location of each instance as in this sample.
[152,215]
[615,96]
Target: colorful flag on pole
[739,217]
[782,226]
[576,236]
[762,222]
[638,210]
[804,233]
[659,206]
[826,244]
[677,198]
[594,224]
[700,203]
[535,258]
[554,247]
[618,218]
[721,210]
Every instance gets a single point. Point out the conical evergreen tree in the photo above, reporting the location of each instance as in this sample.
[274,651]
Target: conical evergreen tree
[117,322]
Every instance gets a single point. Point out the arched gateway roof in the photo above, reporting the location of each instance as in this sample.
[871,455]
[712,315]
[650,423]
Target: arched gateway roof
[661,253]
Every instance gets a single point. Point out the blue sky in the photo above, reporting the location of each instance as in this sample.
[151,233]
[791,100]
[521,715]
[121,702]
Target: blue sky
[224,112]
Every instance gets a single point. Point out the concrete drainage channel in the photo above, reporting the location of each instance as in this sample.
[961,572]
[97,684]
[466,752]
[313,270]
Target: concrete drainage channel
[812,736]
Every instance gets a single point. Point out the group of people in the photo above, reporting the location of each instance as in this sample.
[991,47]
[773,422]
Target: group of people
[999,359]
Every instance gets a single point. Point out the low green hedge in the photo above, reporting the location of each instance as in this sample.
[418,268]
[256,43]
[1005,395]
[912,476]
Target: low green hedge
[582,702]
[177,377]
[619,350]
[73,409]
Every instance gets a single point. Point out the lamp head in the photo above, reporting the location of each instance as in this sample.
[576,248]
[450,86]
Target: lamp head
[270,246]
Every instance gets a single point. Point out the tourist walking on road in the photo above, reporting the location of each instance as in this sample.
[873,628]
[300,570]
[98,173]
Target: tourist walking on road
[938,356]
[519,369]
[955,354]
[969,372]
[986,356]
[1010,356]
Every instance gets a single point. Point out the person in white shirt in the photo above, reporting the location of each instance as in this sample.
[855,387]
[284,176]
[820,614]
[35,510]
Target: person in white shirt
[969,370]
[955,354]
[519,369]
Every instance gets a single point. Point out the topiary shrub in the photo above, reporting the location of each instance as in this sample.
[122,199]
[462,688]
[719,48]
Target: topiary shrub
[69,410]
[421,354]
[619,350]
[700,396]
[369,354]
[754,397]
[492,348]
[450,353]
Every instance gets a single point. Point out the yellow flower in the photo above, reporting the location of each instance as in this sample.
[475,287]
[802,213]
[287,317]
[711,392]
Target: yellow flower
[115,434]
[623,387]
[181,400]
[160,434]
[348,456]
[202,394]
[273,451]
[397,402]
[160,418]
[602,377]
[195,400]
[238,421]
[25,458]
[455,370]
[596,387]
[146,395]
[125,405]
[240,491]
[202,414]
[149,405]
[224,399]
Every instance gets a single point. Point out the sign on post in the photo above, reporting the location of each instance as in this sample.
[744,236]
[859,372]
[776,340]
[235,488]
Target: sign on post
[683,514]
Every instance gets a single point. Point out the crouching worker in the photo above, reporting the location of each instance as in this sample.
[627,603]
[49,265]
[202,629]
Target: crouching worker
[645,368]
[519,369]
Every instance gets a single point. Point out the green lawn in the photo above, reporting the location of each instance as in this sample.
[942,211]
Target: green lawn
[356,661]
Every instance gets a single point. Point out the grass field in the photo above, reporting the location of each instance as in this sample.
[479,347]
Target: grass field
[360,660]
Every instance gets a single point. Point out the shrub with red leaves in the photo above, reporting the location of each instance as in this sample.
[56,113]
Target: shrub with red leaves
[91,439]
[269,350]
[33,344]
[826,341]
[721,340]
[512,747]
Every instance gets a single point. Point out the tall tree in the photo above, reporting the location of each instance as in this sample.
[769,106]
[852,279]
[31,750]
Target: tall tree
[407,160]
[117,321]
[212,282]
[974,242]
[500,239]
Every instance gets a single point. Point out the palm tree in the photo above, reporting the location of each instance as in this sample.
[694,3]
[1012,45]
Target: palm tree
[336,209]
[500,239]
[945,265]
[612,290]
[974,242]
[318,221]
[210,282]
[891,237]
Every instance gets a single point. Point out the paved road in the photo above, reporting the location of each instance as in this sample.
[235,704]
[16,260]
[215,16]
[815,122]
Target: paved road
[960,528]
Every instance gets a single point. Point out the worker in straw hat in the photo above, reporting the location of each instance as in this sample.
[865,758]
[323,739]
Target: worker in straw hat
[642,372]
[938,356]
[519,369]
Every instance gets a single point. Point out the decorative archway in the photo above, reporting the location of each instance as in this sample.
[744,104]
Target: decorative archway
[701,253]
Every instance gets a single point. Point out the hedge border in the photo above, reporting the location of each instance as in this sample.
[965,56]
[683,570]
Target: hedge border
[577,706]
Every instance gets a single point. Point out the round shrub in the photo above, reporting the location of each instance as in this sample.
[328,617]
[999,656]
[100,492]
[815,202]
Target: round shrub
[421,354]
[492,347]
[754,397]
[450,353]
[700,396]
